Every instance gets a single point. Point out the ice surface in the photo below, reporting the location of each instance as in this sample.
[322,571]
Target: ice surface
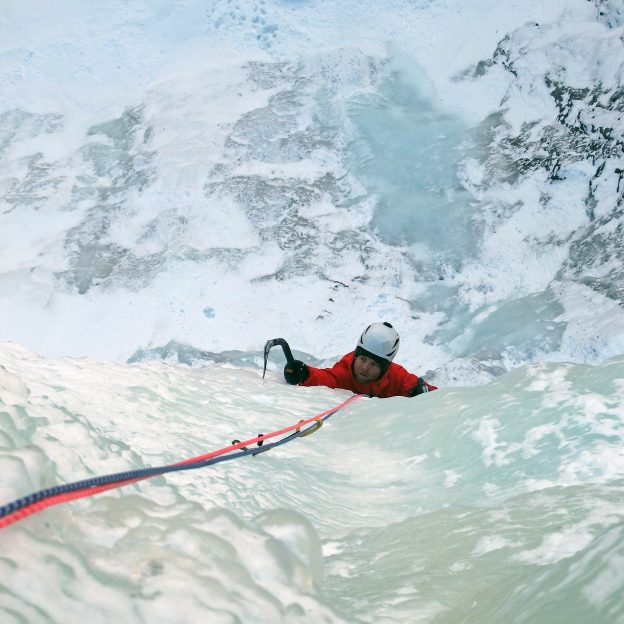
[386,512]
[180,182]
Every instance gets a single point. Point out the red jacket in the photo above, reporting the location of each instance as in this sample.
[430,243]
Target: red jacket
[396,381]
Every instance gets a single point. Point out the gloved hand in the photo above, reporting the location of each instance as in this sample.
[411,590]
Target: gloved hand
[296,373]
[419,388]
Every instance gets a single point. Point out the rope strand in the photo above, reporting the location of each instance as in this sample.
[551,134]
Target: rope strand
[37,501]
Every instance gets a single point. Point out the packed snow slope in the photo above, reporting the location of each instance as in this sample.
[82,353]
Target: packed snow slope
[210,176]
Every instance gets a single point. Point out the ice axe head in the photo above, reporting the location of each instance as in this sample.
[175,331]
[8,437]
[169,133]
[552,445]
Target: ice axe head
[277,342]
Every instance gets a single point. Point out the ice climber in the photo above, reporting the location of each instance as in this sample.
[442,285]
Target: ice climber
[367,370]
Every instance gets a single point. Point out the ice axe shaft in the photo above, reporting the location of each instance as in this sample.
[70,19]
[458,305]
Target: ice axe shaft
[274,342]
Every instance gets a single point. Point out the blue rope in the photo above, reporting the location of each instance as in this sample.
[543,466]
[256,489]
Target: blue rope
[85,484]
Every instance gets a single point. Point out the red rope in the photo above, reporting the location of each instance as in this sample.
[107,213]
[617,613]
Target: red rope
[91,491]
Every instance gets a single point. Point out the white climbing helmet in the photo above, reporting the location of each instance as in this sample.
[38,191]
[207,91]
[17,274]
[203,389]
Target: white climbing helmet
[380,339]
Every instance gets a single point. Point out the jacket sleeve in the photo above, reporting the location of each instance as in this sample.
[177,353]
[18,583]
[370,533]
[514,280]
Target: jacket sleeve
[419,387]
[407,382]
[338,376]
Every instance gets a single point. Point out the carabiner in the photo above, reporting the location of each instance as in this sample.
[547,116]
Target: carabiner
[317,425]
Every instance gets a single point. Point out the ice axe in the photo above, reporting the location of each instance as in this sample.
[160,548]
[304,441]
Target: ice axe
[290,360]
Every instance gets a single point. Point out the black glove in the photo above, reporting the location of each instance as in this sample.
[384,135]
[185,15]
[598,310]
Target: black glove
[419,388]
[296,373]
